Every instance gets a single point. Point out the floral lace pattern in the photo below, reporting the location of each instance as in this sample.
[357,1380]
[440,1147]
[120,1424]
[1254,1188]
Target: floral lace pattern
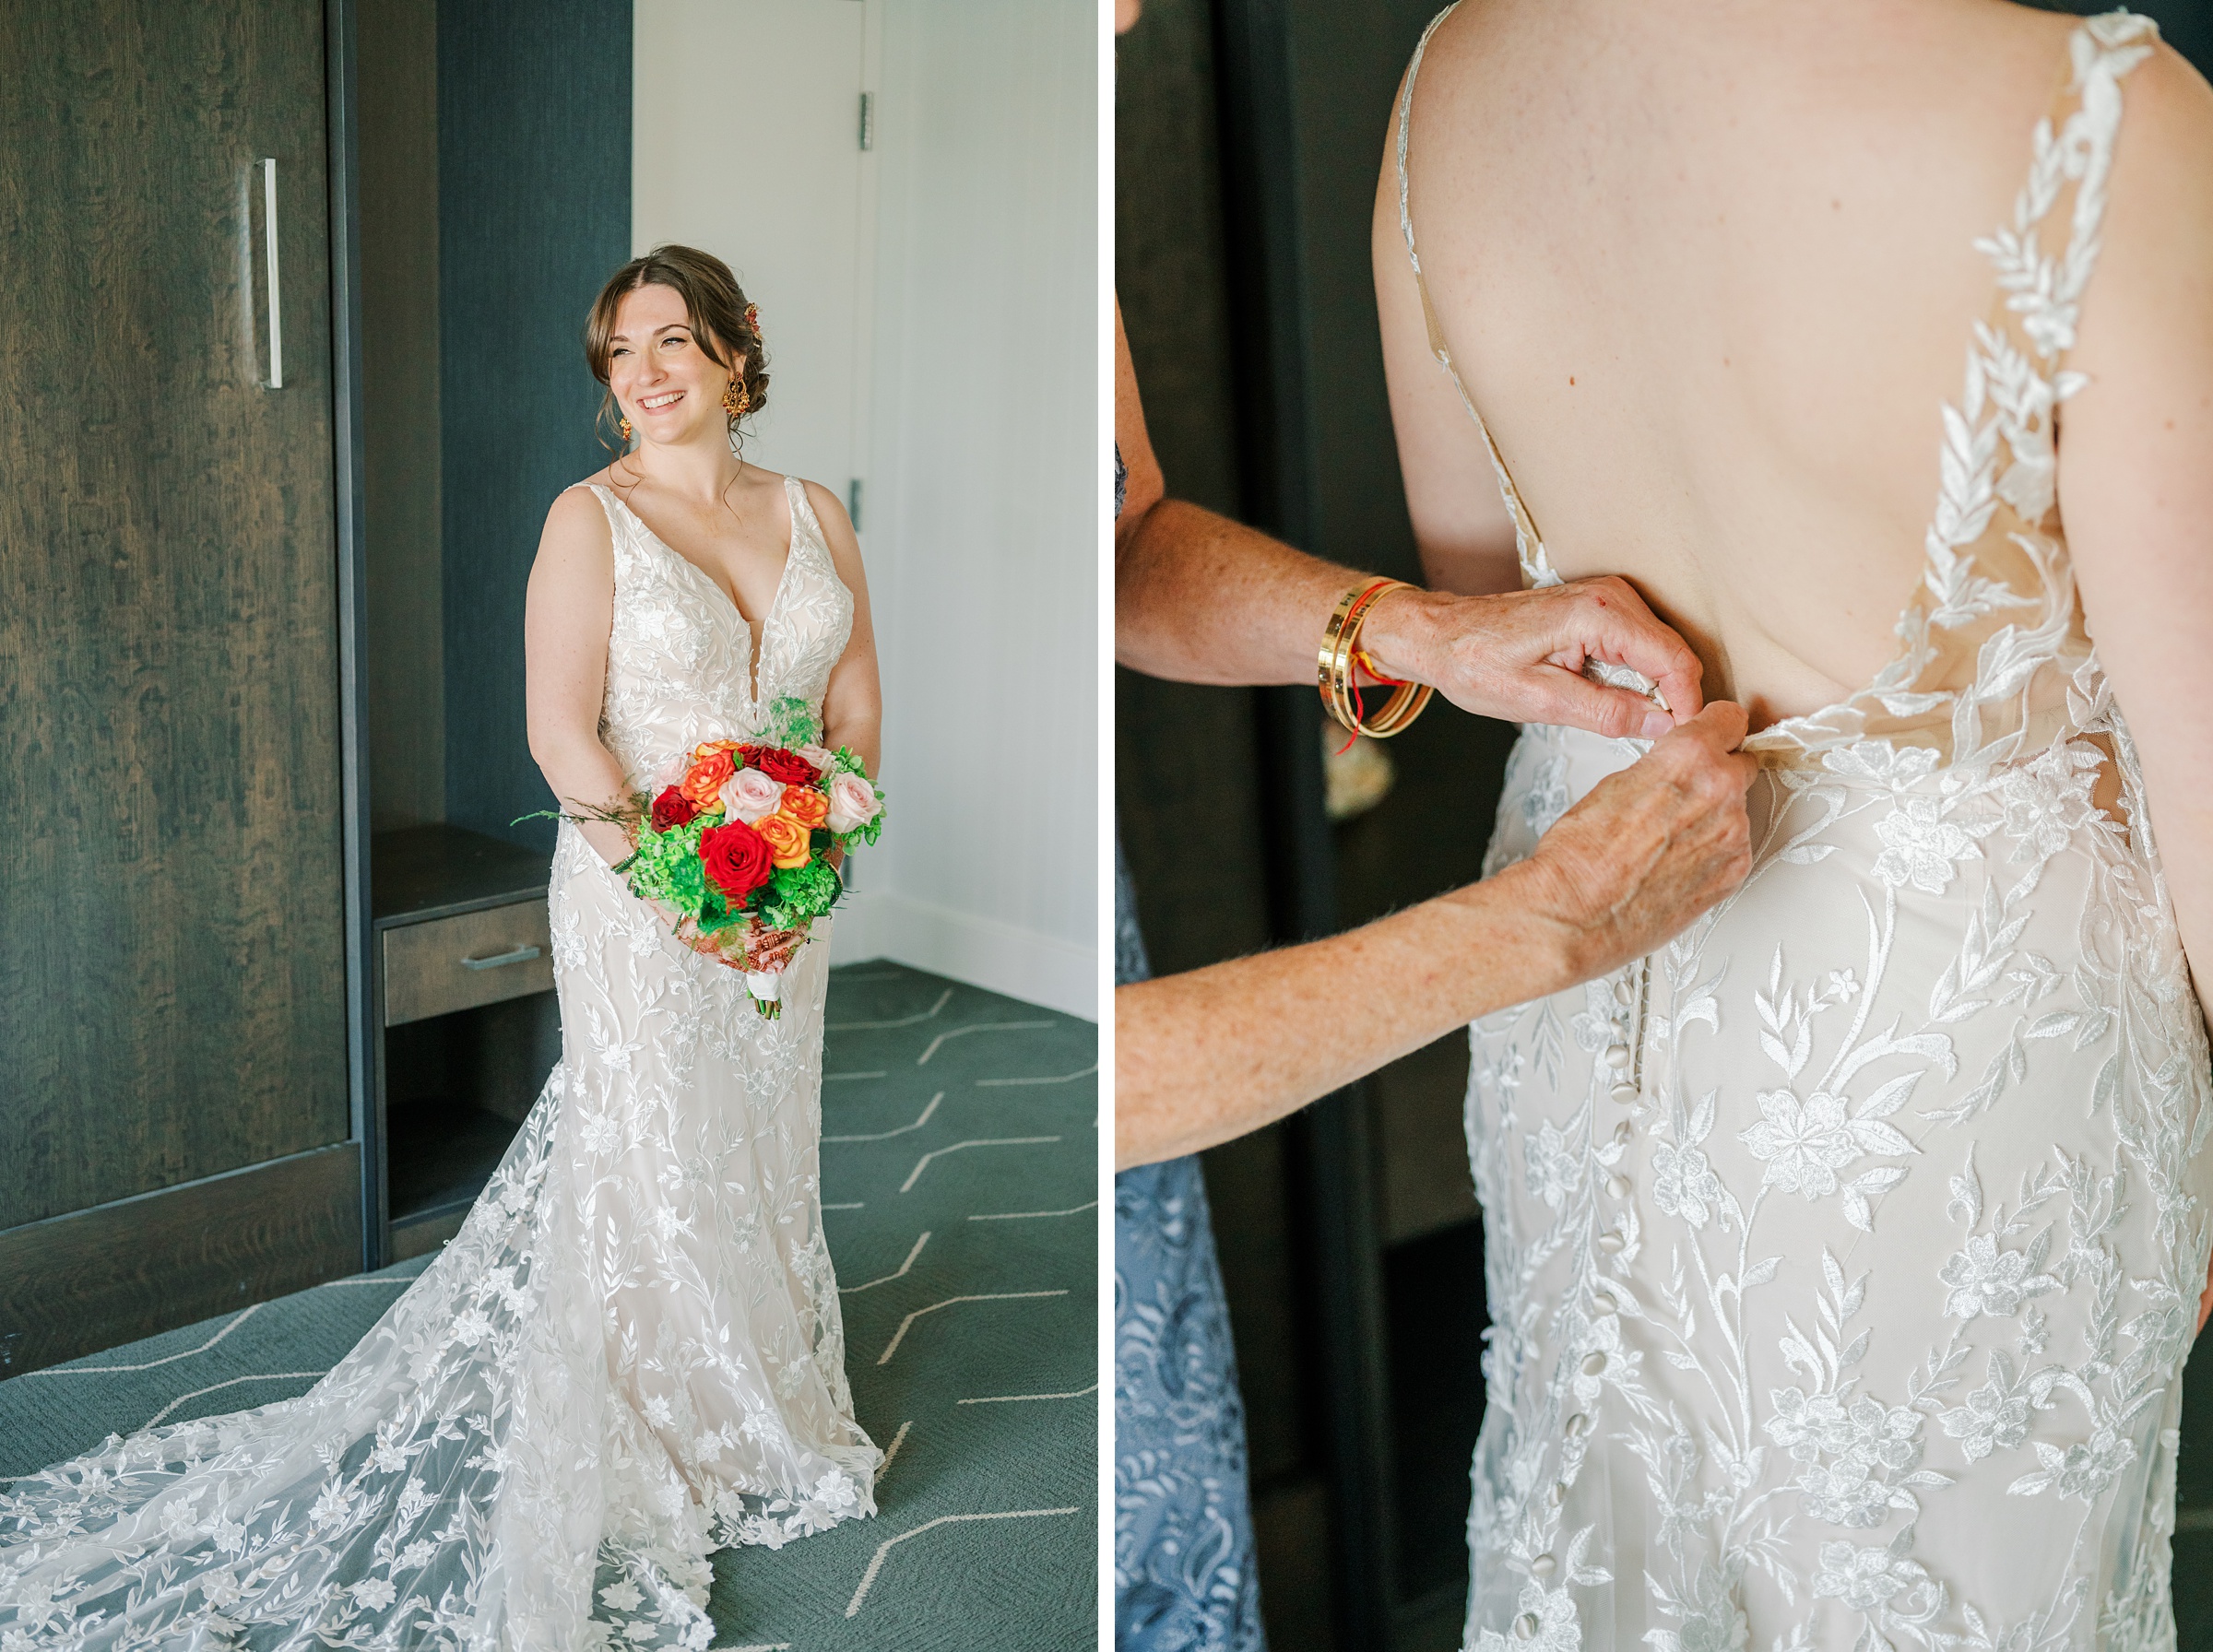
[1879,1194]
[631,1355]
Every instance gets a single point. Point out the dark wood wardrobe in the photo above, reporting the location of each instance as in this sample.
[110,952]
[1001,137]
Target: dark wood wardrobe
[195,693]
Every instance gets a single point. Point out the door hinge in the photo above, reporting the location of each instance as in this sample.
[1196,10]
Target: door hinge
[868,119]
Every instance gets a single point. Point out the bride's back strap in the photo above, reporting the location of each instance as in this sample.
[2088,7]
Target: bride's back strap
[1534,564]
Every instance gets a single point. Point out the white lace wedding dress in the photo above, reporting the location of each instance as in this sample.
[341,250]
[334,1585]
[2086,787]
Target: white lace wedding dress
[631,1355]
[1842,1257]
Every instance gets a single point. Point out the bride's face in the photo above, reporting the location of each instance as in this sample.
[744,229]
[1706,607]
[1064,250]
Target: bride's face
[669,389]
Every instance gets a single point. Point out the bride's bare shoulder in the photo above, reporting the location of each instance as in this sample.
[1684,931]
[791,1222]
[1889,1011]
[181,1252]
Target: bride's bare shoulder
[577,526]
[2168,122]
[2147,312]
[2156,239]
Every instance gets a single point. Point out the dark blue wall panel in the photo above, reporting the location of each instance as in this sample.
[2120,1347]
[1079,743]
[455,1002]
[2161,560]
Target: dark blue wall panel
[533,216]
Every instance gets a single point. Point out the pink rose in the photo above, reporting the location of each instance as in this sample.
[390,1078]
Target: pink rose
[748,794]
[822,760]
[853,802]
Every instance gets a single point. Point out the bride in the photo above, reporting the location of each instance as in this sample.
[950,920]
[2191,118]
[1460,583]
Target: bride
[1843,1255]
[632,1355]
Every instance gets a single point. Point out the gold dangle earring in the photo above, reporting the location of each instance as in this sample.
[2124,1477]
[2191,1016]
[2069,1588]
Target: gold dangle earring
[736,400]
[624,425]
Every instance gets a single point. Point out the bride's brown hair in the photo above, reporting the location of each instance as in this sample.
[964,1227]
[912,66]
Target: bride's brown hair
[715,305]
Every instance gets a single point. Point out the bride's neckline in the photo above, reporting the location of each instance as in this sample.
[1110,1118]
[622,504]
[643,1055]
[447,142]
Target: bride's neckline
[756,631]
[791,541]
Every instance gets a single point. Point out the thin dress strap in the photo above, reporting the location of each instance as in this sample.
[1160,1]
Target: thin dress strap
[1536,567]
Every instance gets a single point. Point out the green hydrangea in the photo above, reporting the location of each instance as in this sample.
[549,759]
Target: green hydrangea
[790,724]
[665,866]
[797,895]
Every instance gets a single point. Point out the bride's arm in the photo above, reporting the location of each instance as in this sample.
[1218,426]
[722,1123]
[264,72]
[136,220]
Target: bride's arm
[2136,471]
[568,611]
[2136,477]
[853,707]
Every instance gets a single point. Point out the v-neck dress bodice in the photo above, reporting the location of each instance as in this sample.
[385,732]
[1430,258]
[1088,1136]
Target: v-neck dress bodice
[681,657]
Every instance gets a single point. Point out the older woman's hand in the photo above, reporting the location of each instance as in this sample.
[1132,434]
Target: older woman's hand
[1520,655]
[1649,850]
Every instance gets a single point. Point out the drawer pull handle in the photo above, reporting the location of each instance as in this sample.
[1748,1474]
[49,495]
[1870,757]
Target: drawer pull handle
[520,955]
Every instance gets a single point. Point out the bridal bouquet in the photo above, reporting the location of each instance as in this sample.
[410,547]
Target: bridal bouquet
[741,838]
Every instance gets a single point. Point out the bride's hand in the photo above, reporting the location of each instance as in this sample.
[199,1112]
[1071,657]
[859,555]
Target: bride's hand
[772,949]
[742,947]
[685,928]
[1520,656]
[1649,849]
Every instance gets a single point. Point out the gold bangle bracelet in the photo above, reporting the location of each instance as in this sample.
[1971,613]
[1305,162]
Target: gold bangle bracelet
[1341,657]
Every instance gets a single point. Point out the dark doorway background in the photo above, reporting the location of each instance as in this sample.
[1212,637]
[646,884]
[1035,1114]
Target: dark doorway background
[1248,137]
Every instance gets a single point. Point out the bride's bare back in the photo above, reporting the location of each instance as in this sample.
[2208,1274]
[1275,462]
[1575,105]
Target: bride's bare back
[1708,273]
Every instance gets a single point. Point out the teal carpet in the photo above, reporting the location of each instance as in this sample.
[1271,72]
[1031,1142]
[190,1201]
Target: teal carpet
[960,1191]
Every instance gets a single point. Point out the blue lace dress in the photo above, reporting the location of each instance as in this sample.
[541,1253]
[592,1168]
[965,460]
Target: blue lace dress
[1184,1579]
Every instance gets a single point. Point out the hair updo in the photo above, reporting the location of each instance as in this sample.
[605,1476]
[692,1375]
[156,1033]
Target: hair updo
[714,304]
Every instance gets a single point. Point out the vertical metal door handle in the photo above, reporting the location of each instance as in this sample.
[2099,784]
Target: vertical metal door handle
[268,220]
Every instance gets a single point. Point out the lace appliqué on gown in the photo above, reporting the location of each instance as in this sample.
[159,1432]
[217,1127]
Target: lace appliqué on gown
[631,1355]
[1843,1256]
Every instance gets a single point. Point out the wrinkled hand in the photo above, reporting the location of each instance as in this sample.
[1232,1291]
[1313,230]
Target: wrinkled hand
[1650,849]
[1520,655]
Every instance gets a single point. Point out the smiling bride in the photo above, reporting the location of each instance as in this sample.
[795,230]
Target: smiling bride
[632,1354]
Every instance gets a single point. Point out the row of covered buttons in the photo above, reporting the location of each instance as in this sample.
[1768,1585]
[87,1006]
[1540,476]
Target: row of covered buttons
[1620,1057]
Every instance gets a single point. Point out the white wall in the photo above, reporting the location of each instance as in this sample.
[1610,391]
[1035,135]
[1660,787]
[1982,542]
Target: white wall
[977,445]
[745,142]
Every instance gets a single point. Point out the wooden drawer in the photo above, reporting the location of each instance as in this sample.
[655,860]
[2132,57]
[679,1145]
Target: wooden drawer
[458,962]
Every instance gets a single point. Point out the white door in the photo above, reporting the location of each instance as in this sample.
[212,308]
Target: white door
[746,118]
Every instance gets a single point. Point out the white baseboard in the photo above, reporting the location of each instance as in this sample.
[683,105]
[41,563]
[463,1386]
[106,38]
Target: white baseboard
[981,951]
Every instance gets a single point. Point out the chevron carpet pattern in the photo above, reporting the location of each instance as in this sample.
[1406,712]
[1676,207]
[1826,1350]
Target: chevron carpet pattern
[960,1191]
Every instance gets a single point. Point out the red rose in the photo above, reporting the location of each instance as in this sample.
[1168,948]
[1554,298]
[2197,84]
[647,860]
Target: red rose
[737,859]
[672,809]
[785,768]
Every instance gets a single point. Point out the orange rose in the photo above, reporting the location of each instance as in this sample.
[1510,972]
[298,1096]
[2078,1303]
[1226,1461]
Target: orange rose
[787,840]
[703,780]
[805,805]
